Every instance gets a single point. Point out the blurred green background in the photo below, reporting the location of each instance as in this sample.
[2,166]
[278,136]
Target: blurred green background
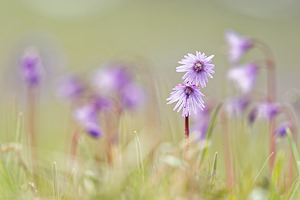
[80,35]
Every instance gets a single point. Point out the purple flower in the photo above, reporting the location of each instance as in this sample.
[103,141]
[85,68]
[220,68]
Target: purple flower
[31,67]
[132,95]
[235,106]
[87,117]
[244,76]
[238,45]
[189,98]
[101,103]
[70,88]
[265,111]
[197,68]
[281,129]
[111,78]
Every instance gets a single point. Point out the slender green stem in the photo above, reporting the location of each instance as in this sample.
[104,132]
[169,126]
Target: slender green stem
[55,188]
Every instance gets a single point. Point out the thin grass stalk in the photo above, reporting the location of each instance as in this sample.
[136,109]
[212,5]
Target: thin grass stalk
[294,150]
[55,187]
[139,155]
[262,168]
[32,110]
[214,169]
[203,153]
[19,127]
[226,146]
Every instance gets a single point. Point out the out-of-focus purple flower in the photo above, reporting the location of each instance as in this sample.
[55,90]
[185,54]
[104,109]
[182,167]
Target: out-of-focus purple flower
[197,68]
[101,103]
[265,111]
[235,106]
[189,98]
[87,117]
[200,129]
[132,95]
[202,114]
[238,45]
[111,79]
[281,129]
[244,76]
[70,88]
[31,67]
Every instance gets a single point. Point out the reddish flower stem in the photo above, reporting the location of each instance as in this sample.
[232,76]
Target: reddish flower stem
[271,94]
[186,136]
[74,145]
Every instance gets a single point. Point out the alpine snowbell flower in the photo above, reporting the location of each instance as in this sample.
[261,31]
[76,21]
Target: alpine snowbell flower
[31,67]
[235,106]
[188,98]
[238,45]
[112,78]
[244,77]
[281,130]
[264,110]
[197,68]
[132,95]
[70,88]
[87,117]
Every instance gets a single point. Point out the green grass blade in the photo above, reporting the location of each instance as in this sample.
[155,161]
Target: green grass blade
[203,153]
[294,150]
[293,189]
[139,154]
[55,188]
[214,168]
[263,167]
[19,127]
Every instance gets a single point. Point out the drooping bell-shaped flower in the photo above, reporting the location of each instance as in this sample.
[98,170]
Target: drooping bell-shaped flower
[87,117]
[70,88]
[238,45]
[243,77]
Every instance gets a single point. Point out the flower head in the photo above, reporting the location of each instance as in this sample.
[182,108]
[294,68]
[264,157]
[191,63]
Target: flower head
[235,106]
[238,45]
[112,78]
[31,67]
[264,110]
[281,130]
[132,95]
[87,117]
[70,88]
[244,77]
[189,98]
[197,68]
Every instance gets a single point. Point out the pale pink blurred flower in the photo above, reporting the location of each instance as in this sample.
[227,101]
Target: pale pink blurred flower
[236,106]
[70,87]
[87,117]
[238,45]
[264,110]
[244,77]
